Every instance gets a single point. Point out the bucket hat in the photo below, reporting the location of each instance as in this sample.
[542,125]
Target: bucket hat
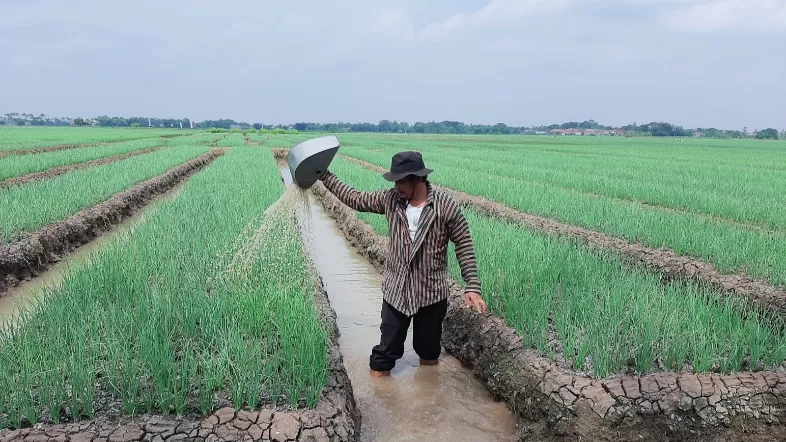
[406,163]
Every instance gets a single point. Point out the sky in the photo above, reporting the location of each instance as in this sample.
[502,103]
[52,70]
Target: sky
[696,63]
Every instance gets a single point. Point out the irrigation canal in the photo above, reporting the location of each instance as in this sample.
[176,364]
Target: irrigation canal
[443,402]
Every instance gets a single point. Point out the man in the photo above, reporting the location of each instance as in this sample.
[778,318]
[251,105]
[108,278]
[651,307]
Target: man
[421,221]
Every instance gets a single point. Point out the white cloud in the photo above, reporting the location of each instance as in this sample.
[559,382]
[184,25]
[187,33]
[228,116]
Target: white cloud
[746,15]
[393,21]
[495,13]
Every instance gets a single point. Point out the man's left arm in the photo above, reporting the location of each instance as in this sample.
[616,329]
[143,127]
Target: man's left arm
[458,231]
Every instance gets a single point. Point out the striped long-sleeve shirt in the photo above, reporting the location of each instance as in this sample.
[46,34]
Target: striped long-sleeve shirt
[415,272]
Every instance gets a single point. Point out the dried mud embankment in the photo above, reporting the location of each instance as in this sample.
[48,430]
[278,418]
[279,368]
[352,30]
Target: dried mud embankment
[665,262]
[552,403]
[335,419]
[34,253]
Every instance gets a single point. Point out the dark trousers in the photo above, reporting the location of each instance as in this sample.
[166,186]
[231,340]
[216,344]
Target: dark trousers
[426,334]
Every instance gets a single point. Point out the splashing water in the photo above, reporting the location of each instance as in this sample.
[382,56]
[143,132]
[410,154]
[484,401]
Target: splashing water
[267,240]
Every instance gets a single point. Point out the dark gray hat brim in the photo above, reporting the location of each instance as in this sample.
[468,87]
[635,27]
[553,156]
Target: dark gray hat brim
[390,176]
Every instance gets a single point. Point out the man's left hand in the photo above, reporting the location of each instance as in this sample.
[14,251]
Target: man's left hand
[474,300]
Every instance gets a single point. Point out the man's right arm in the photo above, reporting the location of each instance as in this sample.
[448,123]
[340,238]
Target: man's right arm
[361,201]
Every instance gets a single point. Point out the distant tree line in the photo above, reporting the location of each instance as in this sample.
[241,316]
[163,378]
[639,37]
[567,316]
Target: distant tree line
[24,119]
[654,129]
[439,127]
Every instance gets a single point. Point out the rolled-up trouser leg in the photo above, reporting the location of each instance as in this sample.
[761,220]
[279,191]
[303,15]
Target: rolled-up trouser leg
[391,343]
[427,330]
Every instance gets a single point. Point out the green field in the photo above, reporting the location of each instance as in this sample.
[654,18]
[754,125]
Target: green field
[716,200]
[16,138]
[17,165]
[195,300]
[608,318]
[34,205]
[211,293]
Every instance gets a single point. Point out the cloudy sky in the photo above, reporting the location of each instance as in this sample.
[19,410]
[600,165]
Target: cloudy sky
[695,63]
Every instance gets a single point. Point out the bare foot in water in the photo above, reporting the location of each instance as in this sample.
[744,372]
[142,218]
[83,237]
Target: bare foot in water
[379,374]
[427,362]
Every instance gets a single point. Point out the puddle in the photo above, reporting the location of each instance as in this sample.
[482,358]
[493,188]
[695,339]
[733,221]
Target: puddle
[443,402]
[25,294]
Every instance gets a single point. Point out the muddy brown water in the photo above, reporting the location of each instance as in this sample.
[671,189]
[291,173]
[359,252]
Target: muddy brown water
[26,293]
[444,402]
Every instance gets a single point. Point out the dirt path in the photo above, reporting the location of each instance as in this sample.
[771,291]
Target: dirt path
[59,170]
[666,262]
[30,256]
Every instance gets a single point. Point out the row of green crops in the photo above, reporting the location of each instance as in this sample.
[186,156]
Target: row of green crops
[17,165]
[33,205]
[13,138]
[609,318]
[703,154]
[704,185]
[731,247]
[724,191]
[233,140]
[196,299]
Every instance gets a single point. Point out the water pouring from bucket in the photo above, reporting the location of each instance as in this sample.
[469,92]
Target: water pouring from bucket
[311,158]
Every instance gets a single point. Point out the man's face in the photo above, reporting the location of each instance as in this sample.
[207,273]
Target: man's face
[406,187]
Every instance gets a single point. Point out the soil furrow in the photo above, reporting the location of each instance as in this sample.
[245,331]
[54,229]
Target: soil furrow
[553,403]
[30,256]
[59,170]
[666,262]
[6,153]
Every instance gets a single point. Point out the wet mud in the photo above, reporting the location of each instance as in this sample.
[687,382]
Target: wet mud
[59,170]
[444,403]
[666,262]
[553,403]
[28,257]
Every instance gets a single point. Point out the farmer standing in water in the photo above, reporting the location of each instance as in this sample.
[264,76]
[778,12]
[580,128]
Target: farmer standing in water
[421,221]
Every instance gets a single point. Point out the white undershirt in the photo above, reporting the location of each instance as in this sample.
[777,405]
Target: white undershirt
[413,218]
